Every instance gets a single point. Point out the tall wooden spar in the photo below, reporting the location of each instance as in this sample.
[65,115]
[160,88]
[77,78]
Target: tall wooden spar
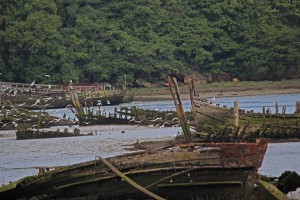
[173,86]
[75,101]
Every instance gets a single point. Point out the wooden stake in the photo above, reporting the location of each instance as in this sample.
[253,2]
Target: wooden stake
[297,107]
[264,114]
[236,113]
[276,106]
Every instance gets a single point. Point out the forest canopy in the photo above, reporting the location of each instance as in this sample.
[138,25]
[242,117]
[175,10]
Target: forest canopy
[101,41]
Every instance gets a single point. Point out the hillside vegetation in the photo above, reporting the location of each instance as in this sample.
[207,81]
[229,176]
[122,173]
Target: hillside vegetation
[101,40]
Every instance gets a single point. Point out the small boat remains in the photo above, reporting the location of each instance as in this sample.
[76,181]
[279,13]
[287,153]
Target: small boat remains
[93,115]
[189,169]
[194,170]
[45,96]
[29,133]
[216,122]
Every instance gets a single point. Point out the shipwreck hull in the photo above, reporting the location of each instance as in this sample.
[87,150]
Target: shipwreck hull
[218,123]
[201,171]
[42,96]
[113,99]
[209,114]
[197,183]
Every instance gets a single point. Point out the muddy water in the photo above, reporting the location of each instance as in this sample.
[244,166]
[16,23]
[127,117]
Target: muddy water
[19,158]
[280,157]
[247,103]
[256,103]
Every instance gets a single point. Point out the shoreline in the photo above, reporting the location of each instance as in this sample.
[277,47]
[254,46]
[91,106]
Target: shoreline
[158,96]
[163,93]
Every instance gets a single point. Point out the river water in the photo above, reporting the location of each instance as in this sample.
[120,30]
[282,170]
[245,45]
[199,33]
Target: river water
[20,158]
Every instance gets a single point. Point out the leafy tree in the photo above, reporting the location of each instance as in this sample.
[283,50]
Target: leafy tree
[101,41]
[33,42]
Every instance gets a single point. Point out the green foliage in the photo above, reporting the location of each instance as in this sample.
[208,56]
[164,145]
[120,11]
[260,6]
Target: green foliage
[101,41]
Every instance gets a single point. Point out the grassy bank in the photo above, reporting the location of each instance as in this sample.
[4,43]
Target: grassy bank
[245,88]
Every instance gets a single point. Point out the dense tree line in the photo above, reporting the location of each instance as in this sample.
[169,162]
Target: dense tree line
[102,40]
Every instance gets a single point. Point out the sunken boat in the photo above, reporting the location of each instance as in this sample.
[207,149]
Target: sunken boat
[186,171]
[28,133]
[45,96]
[214,121]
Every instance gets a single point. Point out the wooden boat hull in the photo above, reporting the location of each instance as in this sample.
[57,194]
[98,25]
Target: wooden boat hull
[209,114]
[56,96]
[28,102]
[216,123]
[113,99]
[180,172]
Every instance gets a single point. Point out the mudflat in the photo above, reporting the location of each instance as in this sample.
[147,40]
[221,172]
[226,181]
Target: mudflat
[221,89]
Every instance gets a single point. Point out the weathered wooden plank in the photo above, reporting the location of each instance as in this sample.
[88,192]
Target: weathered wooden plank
[130,181]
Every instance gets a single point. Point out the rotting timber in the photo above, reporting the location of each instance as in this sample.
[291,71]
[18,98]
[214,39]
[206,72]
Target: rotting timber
[14,117]
[216,123]
[189,170]
[91,114]
[88,116]
[195,170]
[22,134]
[46,96]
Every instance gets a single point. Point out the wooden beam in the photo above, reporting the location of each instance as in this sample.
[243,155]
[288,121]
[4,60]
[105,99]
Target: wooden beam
[130,181]
[173,87]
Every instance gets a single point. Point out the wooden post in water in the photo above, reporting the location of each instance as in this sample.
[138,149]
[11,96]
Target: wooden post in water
[236,113]
[264,115]
[297,107]
[276,106]
[283,110]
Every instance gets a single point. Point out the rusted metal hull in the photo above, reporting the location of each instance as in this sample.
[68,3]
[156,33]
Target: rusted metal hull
[189,171]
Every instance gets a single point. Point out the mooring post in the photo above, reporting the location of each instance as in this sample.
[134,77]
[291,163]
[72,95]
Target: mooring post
[264,115]
[236,113]
[297,107]
[276,106]
[283,110]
